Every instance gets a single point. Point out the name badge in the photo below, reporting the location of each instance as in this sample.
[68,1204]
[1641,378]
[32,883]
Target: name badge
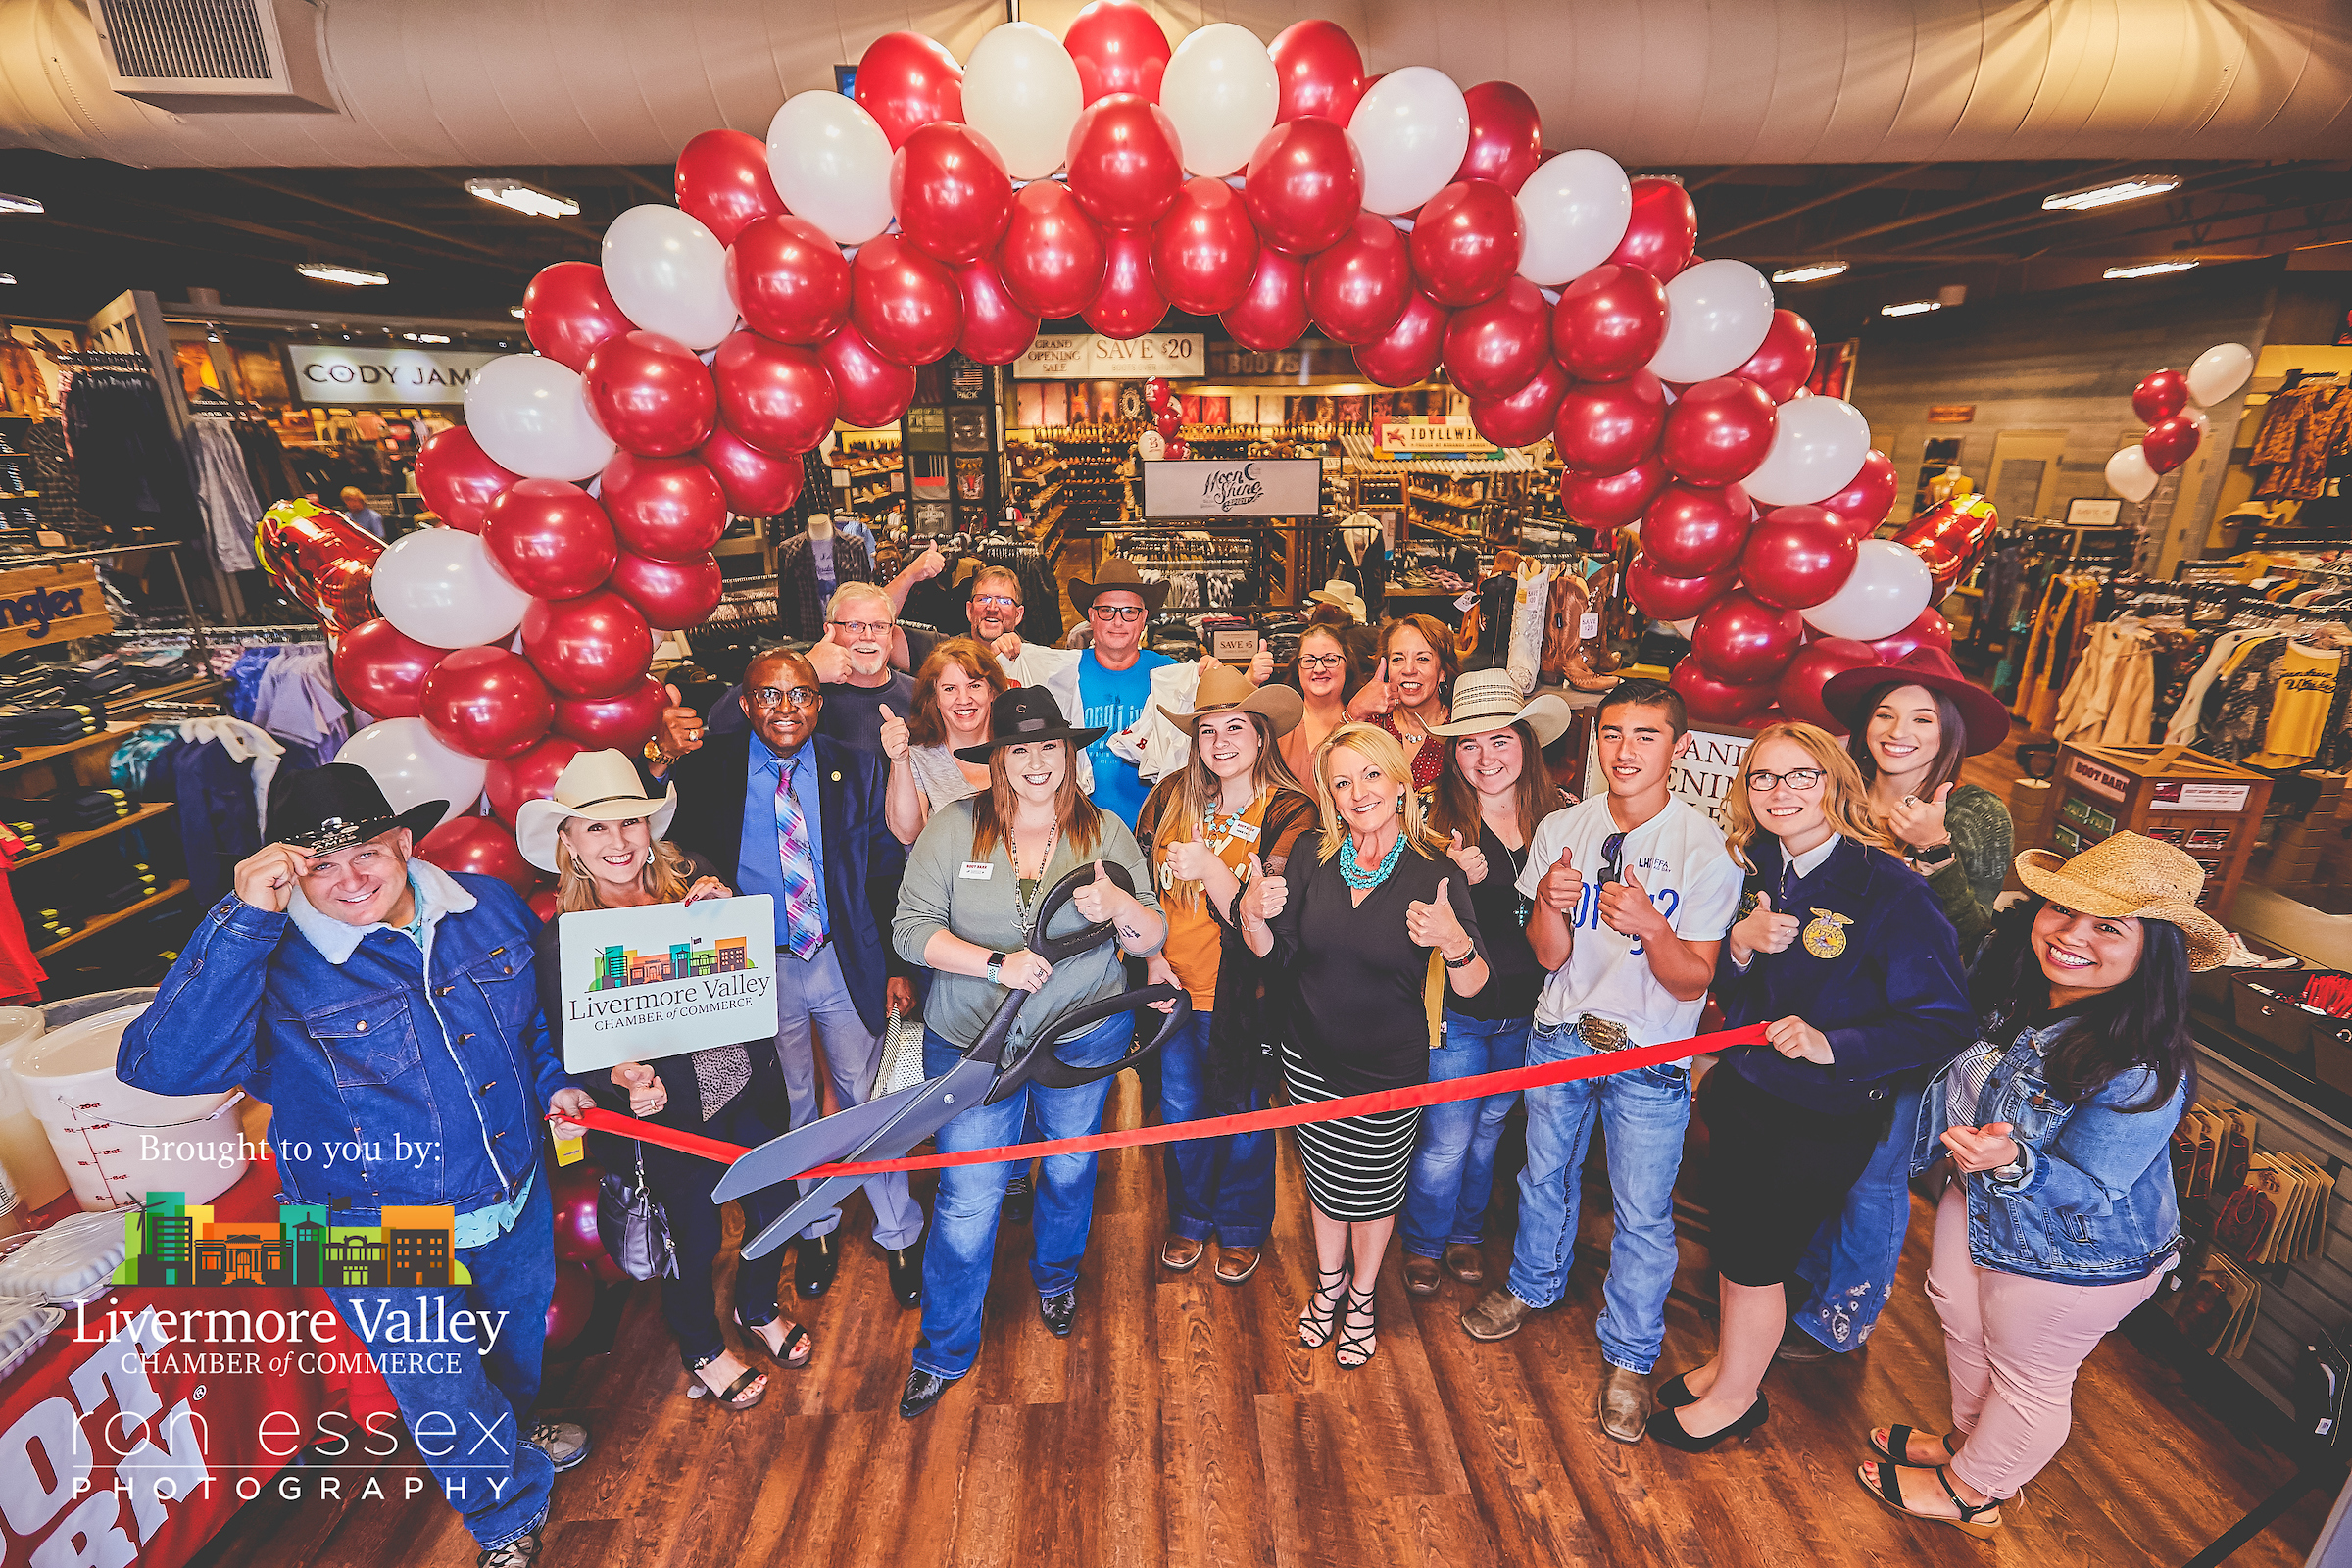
[978,871]
[1247,832]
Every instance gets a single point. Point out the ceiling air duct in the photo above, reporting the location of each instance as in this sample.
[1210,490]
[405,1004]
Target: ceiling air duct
[215,57]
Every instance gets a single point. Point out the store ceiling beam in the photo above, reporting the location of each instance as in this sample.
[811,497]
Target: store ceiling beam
[1884,178]
[502,258]
[2196,185]
[2041,186]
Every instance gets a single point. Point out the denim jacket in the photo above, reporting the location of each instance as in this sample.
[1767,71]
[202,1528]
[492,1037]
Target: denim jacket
[385,1085]
[2096,1203]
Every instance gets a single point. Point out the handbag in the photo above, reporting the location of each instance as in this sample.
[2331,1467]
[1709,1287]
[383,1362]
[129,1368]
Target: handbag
[629,1221]
[900,1061]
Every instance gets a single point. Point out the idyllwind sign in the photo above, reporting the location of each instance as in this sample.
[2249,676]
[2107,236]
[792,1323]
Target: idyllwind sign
[402,377]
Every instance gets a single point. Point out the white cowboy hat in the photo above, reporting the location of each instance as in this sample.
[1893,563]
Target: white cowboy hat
[1489,699]
[1343,593]
[601,786]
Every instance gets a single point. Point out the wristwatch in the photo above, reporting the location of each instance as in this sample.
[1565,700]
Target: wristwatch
[2011,1174]
[1463,961]
[1934,856]
[996,968]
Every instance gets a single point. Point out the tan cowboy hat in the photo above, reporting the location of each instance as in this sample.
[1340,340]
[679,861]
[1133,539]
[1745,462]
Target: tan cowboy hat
[1343,593]
[1489,699]
[1227,690]
[2130,876]
[601,786]
[1118,574]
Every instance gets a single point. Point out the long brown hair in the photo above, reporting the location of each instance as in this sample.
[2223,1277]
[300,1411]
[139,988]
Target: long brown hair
[1180,801]
[1441,643]
[925,726]
[1847,804]
[1079,822]
[1952,738]
[665,877]
[1456,807]
[1384,751]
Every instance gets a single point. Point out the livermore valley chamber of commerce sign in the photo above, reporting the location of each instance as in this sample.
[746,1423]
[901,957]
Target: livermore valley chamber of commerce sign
[341,375]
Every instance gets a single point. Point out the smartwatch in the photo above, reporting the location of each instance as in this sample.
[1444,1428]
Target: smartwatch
[1935,855]
[996,968]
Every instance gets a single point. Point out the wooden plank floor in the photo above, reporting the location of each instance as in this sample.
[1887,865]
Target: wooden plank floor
[1182,1424]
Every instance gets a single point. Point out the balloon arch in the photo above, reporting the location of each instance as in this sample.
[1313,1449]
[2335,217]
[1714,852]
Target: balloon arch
[1103,175]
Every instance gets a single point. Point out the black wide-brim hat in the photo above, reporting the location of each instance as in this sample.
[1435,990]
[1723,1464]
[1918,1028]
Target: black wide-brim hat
[1985,716]
[321,810]
[1024,714]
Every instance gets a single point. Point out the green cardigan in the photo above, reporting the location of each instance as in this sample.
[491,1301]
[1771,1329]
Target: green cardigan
[1966,884]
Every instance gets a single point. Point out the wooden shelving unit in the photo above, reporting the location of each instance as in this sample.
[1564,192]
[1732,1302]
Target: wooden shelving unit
[75,841]
[161,895]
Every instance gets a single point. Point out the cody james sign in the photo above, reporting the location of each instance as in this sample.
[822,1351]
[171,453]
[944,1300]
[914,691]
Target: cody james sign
[666,978]
[343,376]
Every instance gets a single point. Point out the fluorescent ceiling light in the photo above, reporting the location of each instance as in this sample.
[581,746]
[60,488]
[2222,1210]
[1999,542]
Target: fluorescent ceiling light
[1810,272]
[20,204]
[7,277]
[335,272]
[426,337]
[516,311]
[2131,189]
[1911,308]
[2149,270]
[523,198]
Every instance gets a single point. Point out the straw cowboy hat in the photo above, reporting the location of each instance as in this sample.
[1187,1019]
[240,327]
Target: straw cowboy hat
[1024,714]
[1227,690]
[1118,574]
[1983,715]
[2130,876]
[1343,593]
[1489,699]
[600,785]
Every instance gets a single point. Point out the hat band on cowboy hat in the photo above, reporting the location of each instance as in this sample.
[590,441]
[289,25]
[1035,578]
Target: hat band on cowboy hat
[1489,699]
[2130,876]
[1025,715]
[598,787]
[1119,575]
[1226,690]
[339,805]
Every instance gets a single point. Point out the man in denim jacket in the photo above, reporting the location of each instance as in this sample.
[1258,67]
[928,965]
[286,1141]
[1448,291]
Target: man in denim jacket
[386,1012]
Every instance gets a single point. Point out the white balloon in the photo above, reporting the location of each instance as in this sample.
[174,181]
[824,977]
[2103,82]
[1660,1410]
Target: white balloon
[1717,314]
[668,274]
[1412,129]
[831,165]
[1889,587]
[1021,92]
[1685,627]
[530,414]
[411,768]
[2130,475]
[438,586]
[1818,445]
[2218,371]
[1221,90]
[1575,209]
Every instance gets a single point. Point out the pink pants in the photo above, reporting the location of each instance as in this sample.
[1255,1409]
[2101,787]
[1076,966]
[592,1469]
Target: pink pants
[2013,1345]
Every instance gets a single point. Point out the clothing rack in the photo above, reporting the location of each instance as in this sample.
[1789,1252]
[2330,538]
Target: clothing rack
[90,359]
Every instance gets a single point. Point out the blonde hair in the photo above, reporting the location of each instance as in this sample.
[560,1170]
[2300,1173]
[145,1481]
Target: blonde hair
[1384,751]
[666,876]
[1846,800]
[1181,800]
[849,592]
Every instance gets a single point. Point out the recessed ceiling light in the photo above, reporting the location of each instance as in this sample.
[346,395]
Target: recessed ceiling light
[426,337]
[1810,272]
[2149,270]
[335,272]
[1911,308]
[20,204]
[516,311]
[7,277]
[2107,195]
[523,198]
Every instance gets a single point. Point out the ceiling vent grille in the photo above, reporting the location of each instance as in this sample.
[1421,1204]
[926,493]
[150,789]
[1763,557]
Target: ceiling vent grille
[196,57]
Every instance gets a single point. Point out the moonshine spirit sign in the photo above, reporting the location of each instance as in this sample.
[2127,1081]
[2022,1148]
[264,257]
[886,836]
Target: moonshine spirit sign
[1254,487]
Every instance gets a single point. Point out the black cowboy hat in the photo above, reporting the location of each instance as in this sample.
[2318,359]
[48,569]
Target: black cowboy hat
[321,810]
[1024,714]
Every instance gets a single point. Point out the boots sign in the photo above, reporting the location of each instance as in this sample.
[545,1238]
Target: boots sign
[343,376]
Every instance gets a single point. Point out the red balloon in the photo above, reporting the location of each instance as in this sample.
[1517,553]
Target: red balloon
[1204,248]
[486,701]
[543,904]
[381,670]
[1929,629]
[1608,427]
[1528,415]
[873,390]
[1718,431]
[322,561]
[1053,255]
[1664,598]
[1612,500]
[950,193]
[2160,395]
[550,538]
[1169,422]
[722,183]
[528,775]
[1466,242]
[907,80]
[1321,71]
[1357,290]
[1800,686]
[1864,503]
[1492,348]
[1124,168]
[789,280]
[1304,185]
[1157,391]
[570,1304]
[905,304]
[672,595]
[596,645]
[622,723]
[480,846]
[652,394]
[1785,361]
[1506,135]
[573,1191]
[672,509]
[1129,304]
[1117,48]
[755,483]
[1695,530]
[773,395]
[1717,702]
[1178,449]
[457,479]
[1663,231]
[995,329]
[1609,323]
[1273,313]
[1797,557]
[1407,352]
[1741,638]
[567,312]
[2170,444]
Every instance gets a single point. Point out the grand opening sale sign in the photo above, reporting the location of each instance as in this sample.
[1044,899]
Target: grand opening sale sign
[665,979]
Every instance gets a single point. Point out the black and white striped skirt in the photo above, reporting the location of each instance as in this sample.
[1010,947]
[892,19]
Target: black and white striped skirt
[1355,1167]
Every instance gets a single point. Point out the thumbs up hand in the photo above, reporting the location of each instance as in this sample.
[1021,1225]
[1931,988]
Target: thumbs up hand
[1626,908]
[1764,930]
[895,739]
[1919,823]
[1435,924]
[1562,889]
[1101,899]
[1188,859]
[1261,666]
[1469,856]
[681,728]
[1263,899]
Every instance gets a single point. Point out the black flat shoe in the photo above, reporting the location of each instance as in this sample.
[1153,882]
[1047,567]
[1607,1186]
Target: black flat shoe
[814,1268]
[906,1273]
[1676,1392]
[1667,1428]
[1060,1313]
[923,1390]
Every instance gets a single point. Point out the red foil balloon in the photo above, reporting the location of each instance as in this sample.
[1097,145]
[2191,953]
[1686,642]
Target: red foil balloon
[1612,500]
[1783,363]
[381,670]
[950,193]
[1608,323]
[1864,503]
[1718,431]
[457,479]
[2160,395]
[567,312]
[1797,557]
[1204,248]
[1927,629]
[1696,530]
[672,509]
[773,395]
[874,391]
[907,80]
[1466,241]
[320,561]
[596,645]
[1664,598]
[1663,231]
[1742,639]
[622,723]
[1717,702]
[1947,538]
[1357,290]
[480,846]
[1506,135]
[1407,352]
[1124,166]
[1273,313]
[486,701]
[722,183]
[1054,255]
[789,280]
[1528,415]
[1320,69]
[1608,427]
[528,775]
[672,595]
[1117,48]
[1304,185]
[652,394]
[1129,304]
[1800,686]
[550,538]
[755,483]
[995,329]
[1494,348]
[2170,443]
[905,304]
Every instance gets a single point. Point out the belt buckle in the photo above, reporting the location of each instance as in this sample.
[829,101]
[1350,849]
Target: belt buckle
[1601,1034]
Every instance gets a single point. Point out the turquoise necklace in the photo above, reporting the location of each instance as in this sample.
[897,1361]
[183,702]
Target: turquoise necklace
[1360,879]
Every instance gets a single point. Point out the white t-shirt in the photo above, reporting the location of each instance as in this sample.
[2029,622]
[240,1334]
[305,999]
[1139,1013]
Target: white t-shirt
[1679,859]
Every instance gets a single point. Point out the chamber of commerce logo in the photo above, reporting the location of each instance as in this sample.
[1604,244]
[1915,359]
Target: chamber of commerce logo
[175,1243]
[618,968]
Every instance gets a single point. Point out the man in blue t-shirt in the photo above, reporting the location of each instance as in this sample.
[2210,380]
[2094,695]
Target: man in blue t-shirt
[1114,676]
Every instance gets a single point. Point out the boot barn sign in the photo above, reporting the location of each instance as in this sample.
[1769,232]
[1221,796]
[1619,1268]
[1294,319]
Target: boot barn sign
[340,374]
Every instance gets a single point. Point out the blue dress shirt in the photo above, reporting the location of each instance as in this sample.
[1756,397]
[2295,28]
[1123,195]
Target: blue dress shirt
[762,869]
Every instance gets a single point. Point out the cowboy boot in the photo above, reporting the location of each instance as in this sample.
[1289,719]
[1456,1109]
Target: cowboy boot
[1601,655]
[1578,668]
[1562,610]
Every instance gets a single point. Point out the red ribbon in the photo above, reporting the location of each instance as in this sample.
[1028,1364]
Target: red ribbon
[1600,1064]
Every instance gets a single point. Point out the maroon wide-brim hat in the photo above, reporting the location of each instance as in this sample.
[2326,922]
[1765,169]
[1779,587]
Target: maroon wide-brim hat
[1985,716]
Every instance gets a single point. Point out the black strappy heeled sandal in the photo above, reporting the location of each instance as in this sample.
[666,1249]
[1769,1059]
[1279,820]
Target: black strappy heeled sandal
[1898,1446]
[1365,1342]
[794,1337]
[730,1397]
[1890,1491]
[1317,1320]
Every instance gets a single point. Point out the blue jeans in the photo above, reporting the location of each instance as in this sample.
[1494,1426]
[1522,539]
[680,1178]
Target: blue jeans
[963,1247]
[1851,1262]
[1220,1186]
[1453,1160]
[471,1413]
[1644,1112]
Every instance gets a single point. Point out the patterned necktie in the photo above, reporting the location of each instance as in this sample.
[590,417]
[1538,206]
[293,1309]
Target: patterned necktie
[804,932]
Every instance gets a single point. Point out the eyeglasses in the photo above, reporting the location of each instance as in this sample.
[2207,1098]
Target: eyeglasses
[768,697]
[1610,848]
[1796,778]
[1118,611]
[1322,661]
[864,628]
[995,601]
